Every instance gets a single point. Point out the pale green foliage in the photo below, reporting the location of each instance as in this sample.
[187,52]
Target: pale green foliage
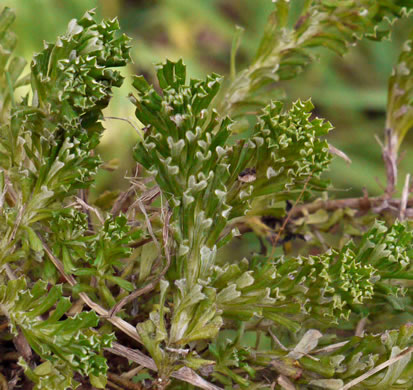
[331,368]
[290,44]
[284,151]
[196,309]
[74,72]
[45,158]
[69,344]
[326,287]
[209,180]
[50,375]
[96,255]
[400,94]
[202,174]
[71,84]
[11,66]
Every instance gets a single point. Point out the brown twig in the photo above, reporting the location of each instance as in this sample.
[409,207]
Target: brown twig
[364,204]
[389,152]
[121,200]
[137,293]
[353,203]
[10,356]
[278,342]
[113,385]
[285,383]
[140,243]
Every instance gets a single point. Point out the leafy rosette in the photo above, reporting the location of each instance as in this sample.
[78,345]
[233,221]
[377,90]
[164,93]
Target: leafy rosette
[71,343]
[328,287]
[285,154]
[72,78]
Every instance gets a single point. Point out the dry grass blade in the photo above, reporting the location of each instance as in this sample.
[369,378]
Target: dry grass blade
[140,243]
[278,342]
[17,222]
[360,327]
[285,383]
[390,161]
[331,348]
[339,153]
[404,198]
[185,374]
[112,385]
[125,120]
[89,208]
[121,200]
[133,372]
[137,293]
[9,272]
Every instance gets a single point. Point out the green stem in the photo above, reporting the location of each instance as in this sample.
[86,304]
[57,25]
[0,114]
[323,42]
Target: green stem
[11,89]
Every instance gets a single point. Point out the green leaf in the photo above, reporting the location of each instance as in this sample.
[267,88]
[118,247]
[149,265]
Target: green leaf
[285,51]
[98,381]
[330,384]
[80,58]
[284,152]
[148,255]
[34,241]
[71,344]
[153,332]
[72,82]
[11,66]
[128,286]
[50,375]
[234,48]
[400,97]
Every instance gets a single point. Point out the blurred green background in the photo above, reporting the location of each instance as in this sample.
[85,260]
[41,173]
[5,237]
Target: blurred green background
[349,92]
